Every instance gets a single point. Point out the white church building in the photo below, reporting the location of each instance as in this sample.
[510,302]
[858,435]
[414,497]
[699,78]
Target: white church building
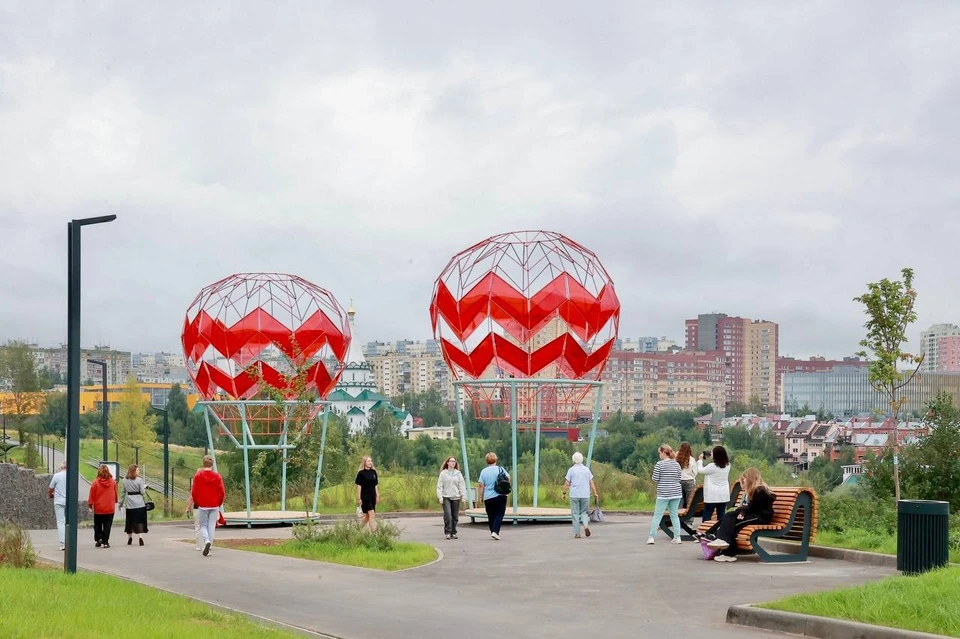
[355,395]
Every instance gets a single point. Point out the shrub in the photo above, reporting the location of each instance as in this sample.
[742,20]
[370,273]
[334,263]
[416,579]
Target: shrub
[847,510]
[15,547]
[349,534]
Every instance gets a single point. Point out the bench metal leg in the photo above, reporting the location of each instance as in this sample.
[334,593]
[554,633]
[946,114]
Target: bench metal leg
[803,503]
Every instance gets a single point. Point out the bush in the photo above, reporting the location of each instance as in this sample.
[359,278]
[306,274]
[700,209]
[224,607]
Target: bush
[848,510]
[349,534]
[15,547]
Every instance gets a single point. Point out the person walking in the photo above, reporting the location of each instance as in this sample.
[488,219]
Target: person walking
[103,502]
[579,482]
[133,501]
[716,483]
[757,511]
[494,502]
[207,493]
[451,491]
[666,474]
[58,493]
[368,492]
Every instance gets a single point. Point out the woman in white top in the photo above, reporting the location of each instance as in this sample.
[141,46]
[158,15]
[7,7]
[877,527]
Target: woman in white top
[716,483]
[452,492]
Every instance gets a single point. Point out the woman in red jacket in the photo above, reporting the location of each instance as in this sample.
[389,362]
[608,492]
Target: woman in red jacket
[103,503]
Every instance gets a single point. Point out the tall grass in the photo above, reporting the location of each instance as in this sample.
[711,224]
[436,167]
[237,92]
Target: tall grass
[15,547]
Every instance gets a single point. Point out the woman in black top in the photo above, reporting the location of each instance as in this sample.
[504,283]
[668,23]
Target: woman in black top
[368,492]
[757,511]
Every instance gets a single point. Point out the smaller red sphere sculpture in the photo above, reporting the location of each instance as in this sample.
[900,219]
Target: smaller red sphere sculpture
[527,305]
[254,329]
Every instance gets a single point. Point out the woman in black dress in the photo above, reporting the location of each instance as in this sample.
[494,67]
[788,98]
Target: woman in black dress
[368,492]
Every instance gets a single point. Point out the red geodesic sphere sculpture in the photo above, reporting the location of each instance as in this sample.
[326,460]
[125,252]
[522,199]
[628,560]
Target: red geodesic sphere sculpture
[252,329]
[525,305]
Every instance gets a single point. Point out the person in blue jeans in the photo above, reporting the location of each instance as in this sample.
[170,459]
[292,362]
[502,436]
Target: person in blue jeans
[493,502]
[666,474]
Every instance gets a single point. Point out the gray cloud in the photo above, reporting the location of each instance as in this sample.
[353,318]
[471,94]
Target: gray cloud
[755,160]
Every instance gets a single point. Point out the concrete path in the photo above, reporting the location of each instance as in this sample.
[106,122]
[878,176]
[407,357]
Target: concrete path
[53,457]
[537,582]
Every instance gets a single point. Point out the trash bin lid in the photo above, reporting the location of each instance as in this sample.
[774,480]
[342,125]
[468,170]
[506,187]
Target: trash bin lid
[923,507]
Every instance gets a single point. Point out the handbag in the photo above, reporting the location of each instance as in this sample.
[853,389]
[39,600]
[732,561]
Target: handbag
[708,552]
[147,502]
[596,515]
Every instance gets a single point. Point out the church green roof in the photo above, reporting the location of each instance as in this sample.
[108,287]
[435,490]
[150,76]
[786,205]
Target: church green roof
[355,411]
[371,396]
[340,395]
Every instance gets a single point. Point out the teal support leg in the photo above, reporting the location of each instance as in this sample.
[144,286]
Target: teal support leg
[246,460]
[206,418]
[323,445]
[536,458]
[513,424]
[463,450]
[593,431]
[283,465]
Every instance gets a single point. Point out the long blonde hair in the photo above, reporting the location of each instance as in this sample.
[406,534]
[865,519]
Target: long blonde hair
[363,463]
[750,480]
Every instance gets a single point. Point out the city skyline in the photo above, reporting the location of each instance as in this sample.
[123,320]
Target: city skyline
[755,161]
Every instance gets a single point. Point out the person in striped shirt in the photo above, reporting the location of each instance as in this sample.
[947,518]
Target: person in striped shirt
[666,475]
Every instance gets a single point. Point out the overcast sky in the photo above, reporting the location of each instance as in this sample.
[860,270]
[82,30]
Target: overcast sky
[754,160]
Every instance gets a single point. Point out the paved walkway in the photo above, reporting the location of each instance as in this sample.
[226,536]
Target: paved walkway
[537,582]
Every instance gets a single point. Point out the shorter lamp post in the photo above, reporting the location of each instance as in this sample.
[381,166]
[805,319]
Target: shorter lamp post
[105,407]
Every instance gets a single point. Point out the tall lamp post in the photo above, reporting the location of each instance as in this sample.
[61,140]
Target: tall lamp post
[73,382]
[104,406]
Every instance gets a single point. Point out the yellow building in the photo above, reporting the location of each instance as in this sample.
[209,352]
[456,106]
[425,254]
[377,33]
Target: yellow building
[91,397]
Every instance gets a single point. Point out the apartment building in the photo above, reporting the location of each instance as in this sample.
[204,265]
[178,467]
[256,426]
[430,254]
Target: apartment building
[396,373]
[940,347]
[119,363]
[750,347]
[654,382]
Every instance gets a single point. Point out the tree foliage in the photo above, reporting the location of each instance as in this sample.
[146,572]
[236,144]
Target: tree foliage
[889,306]
[131,423]
[704,409]
[19,374]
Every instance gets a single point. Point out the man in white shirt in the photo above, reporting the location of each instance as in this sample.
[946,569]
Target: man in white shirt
[579,482]
[58,493]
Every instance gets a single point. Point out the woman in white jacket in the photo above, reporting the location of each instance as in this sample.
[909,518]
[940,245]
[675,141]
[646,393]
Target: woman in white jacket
[451,491]
[716,483]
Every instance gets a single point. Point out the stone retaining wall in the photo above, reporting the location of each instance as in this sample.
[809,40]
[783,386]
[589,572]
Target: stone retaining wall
[24,499]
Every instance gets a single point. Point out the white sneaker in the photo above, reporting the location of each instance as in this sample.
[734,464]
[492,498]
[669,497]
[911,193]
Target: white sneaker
[62,547]
[724,558]
[676,540]
[650,541]
[495,536]
[718,543]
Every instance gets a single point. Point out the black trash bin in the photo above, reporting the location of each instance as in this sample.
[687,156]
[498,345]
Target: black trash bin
[923,535]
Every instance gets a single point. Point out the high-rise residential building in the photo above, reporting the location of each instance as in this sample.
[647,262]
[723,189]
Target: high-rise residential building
[645,344]
[940,347]
[750,348]
[654,382]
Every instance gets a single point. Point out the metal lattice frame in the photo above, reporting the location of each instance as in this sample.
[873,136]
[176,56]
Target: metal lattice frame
[514,388]
[253,335]
[525,305]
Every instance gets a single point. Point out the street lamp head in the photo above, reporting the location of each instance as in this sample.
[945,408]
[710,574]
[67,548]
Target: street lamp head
[95,220]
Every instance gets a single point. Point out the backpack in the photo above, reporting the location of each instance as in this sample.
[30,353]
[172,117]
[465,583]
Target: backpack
[502,485]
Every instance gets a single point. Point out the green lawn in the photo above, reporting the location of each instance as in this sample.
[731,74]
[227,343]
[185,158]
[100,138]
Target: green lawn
[53,605]
[867,541]
[404,555]
[925,603]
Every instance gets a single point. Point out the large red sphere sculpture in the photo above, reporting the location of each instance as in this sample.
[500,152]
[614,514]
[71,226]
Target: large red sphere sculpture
[252,330]
[527,305]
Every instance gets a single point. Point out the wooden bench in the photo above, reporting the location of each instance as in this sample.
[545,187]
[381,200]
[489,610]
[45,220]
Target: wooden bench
[696,510]
[795,514]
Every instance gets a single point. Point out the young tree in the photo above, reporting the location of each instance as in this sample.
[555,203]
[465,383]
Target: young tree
[386,442]
[53,419]
[889,307]
[19,373]
[932,466]
[736,408]
[756,405]
[131,423]
[704,409]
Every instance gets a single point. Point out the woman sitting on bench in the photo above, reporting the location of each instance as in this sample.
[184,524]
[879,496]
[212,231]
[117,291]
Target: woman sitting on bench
[757,511]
